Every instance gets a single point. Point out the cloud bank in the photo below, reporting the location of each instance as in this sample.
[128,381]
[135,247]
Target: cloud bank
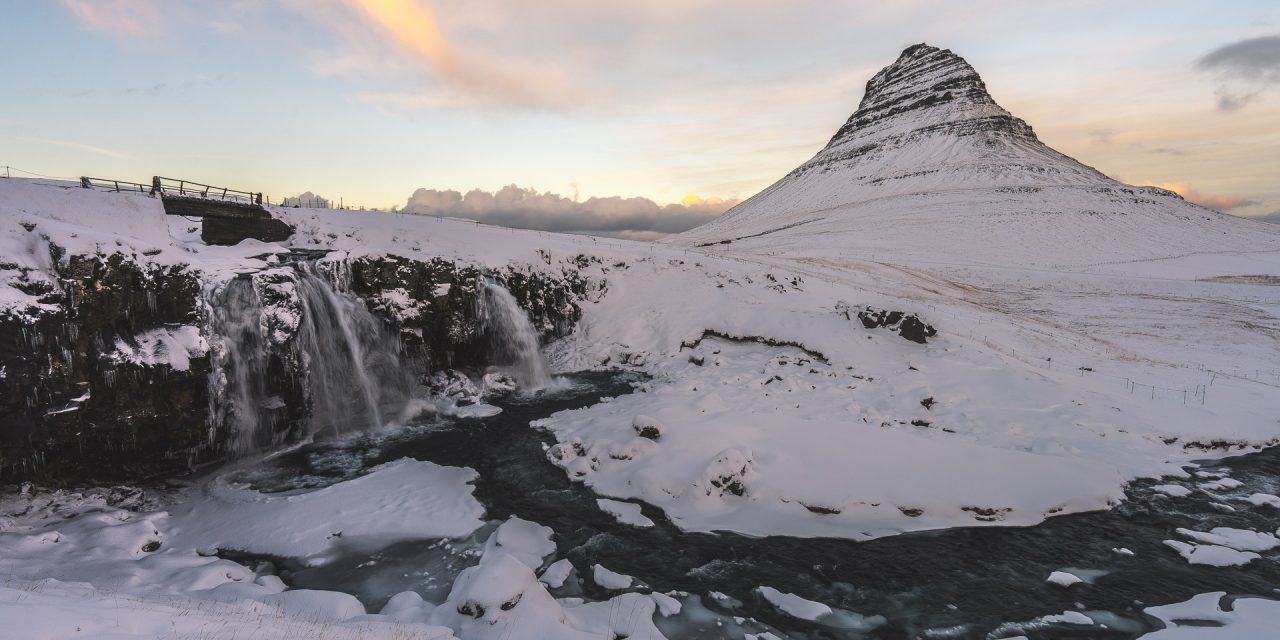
[514,206]
[1244,69]
[1221,203]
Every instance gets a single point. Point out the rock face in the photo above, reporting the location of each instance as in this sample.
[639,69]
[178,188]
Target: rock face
[435,303]
[111,384]
[113,381]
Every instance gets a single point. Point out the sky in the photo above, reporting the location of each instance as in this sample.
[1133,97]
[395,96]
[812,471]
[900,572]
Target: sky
[658,112]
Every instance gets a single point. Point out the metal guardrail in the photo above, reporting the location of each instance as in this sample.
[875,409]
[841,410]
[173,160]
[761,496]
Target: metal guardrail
[104,184]
[174,187]
[189,189]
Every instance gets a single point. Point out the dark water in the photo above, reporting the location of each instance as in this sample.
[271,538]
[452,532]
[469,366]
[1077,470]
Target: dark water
[969,581]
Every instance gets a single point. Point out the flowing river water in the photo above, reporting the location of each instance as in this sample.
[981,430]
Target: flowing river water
[965,583]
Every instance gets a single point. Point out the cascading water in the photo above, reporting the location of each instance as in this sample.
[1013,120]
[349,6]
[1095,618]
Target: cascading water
[238,397]
[513,339]
[352,374]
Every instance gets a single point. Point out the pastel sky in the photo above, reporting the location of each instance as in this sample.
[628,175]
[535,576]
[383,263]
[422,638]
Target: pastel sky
[369,100]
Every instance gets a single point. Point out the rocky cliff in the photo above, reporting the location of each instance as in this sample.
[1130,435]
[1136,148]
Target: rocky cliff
[109,377]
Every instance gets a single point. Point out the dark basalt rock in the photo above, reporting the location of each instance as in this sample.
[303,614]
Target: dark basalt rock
[910,326]
[441,327]
[70,411]
[924,77]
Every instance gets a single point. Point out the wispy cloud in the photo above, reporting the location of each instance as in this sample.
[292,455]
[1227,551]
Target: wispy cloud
[118,18]
[78,146]
[1244,68]
[513,206]
[399,36]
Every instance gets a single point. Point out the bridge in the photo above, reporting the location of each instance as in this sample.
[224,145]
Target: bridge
[227,215]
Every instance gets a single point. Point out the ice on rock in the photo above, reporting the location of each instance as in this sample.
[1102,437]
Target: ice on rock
[1264,499]
[1068,617]
[1238,539]
[555,575]
[610,579]
[667,605]
[1221,483]
[1211,554]
[1175,490]
[793,605]
[627,513]
[528,542]
[1063,579]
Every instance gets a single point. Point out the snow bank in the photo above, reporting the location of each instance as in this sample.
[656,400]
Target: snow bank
[627,513]
[1204,618]
[738,426]
[401,500]
[793,605]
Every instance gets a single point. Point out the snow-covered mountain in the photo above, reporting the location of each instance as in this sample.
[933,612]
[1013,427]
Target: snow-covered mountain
[931,164]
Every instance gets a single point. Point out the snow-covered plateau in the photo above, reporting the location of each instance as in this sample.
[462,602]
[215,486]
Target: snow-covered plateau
[938,322]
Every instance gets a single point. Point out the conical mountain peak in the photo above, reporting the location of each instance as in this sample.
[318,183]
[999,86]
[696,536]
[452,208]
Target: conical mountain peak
[926,126]
[928,87]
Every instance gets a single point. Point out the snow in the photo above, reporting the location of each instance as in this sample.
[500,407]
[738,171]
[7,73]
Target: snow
[1220,484]
[500,596]
[1063,579]
[1204,617]
[528,542]
[793,605]
[667,605]
[1175,490]
[627,513]
[1211,554]
[1238,539]
[610,579]
[402,500]
[555,575]
[54,610]
[1068,617]
[1260,499]
[173,347]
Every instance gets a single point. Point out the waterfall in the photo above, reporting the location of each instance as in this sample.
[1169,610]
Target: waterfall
[352,374]
[513,338]
[237,383]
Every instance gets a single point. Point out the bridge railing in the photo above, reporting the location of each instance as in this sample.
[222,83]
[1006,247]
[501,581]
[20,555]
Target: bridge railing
[189,189]
[105,184]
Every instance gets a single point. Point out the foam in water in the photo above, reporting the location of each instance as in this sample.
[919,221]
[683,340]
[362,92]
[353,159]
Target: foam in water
[350,361]
[513,339]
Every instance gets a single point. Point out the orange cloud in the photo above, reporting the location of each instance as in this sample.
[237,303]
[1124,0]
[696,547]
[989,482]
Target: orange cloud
[119,18]
[466,79]
[1191,194]
[415,27]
